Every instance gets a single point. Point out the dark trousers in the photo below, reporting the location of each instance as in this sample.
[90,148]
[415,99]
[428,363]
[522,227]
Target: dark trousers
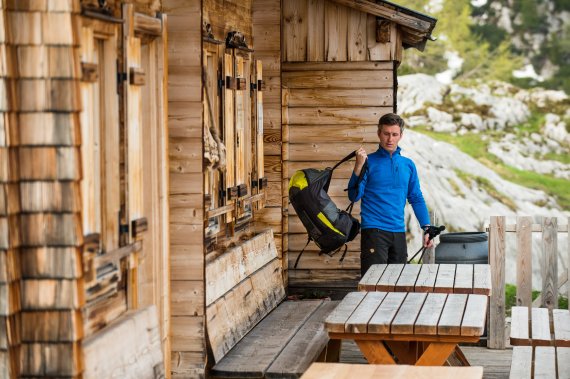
[378,246]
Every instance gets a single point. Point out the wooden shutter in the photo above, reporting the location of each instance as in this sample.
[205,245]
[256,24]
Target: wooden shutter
[100,184]
[259,161]
[229,132]
[134,80]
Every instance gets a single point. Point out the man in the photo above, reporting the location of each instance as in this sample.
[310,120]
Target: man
[387,183]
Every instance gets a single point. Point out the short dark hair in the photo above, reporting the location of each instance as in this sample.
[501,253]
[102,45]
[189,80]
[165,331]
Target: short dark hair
[391,119]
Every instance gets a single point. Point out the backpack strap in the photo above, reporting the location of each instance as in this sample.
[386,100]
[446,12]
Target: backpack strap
[301,253]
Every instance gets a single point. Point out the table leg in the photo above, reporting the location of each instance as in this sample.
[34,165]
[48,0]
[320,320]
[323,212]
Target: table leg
[436,354]
[461,357]
[375,352]
[404,351]
[332,351]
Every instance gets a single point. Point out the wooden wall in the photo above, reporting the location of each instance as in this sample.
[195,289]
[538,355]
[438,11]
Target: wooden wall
[186,186]
[337,82]
[324,31]
[41,223]
[267,44]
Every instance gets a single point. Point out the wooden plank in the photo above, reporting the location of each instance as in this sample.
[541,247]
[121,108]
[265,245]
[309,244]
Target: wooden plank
[10,298]
[103,311]
[255,353]
[473,323]
[562,228]
[445,278]
[336,30]
[334,115]
[482,279]
[549,267]
[130,348]
[316,31]
[524,261]
[540,327]
[404,321]
[368,97]
[385,371]
[187,297]
[357,35]
[407,280]
[236,313]
[389,13]
[295,28]
[561,321]
[312,260]
[426,278]
[9,266]
[389,278]
[520,326]
[336,321]
[52,294]
[234,265]
[305,347]
[371,278]
[319,151]
[54,326]
[521,363]
[463,279]
[496,328]
[452,314]
[260,163]
[563,360]
[382,318]
[428,318]
[358,320]
[320,66]
[338,79]
[544,362]
[51,359]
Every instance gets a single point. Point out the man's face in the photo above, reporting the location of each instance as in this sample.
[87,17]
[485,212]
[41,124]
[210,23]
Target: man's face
[389,136]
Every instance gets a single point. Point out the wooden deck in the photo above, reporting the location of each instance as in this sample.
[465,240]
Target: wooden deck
[496,363]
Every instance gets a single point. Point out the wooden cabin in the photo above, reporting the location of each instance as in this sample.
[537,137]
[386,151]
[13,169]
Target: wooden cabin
[145,152]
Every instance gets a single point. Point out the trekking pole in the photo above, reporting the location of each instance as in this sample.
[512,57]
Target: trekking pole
[432,232]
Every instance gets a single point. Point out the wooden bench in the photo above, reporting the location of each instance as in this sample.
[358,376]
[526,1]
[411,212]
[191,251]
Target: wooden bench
[252,332]
[542,328]
[540,362]
[348,371]
[541,343]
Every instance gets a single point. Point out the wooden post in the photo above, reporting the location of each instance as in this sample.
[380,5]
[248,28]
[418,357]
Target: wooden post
[568,264]
[496,329]
[524,261]
[549,263]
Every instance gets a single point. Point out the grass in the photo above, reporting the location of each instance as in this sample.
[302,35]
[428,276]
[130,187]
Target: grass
[475,146]
[511,298]
[487,186]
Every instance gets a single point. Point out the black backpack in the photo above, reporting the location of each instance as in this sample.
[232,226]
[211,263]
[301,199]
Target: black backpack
[327,225]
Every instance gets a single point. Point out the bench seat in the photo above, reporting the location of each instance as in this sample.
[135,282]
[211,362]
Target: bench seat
[282,345]
[540,362]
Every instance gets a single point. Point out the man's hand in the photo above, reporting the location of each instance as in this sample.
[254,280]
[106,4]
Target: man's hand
[427,242]
[360,159]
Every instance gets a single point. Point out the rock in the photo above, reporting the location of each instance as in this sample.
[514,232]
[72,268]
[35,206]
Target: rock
[555,129]
[417,89]
[441,121]
[472,120]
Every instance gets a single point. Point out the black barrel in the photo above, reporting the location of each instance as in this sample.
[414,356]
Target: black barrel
[465,247]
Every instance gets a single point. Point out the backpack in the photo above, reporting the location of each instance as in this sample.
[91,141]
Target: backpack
[327,225]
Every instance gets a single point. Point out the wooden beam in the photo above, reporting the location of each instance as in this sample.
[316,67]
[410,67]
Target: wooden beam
[384,12]
[147,25]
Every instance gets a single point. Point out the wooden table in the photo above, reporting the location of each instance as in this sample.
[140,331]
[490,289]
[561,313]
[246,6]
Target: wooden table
[438,278]
[349,371]
[419,328]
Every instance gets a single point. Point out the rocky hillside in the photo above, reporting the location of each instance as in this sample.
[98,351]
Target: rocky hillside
[488,150]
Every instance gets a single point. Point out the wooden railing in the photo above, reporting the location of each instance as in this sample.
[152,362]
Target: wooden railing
[551,281]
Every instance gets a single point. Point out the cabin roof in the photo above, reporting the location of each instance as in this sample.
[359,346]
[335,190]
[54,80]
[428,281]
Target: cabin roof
[416,27]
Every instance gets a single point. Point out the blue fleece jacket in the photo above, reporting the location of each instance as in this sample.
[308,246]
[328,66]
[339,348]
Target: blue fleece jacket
[384,189]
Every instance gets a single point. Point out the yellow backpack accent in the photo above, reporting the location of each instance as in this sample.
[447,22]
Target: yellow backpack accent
[298,180]
[326,221]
